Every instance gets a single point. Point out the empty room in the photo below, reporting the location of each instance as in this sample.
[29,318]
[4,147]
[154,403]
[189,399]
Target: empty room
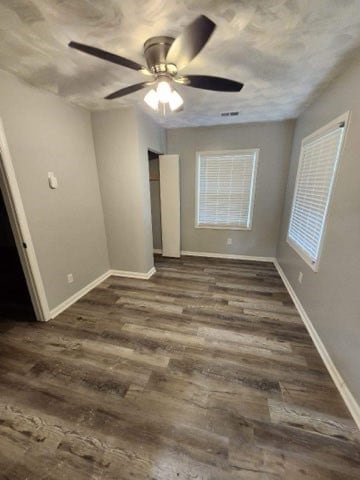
[179,240]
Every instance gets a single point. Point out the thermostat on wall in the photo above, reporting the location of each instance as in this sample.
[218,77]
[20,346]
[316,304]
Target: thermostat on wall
[53,183]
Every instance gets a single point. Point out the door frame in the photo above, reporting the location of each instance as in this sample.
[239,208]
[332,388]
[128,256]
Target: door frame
[20,228]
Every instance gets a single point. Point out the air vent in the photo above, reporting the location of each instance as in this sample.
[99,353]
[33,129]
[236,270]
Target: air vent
[229,114]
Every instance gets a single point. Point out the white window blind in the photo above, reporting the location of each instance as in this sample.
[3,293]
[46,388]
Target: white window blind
[225,189]
[315,177]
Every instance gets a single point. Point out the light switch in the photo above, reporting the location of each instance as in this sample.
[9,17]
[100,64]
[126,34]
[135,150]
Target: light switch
[53,183]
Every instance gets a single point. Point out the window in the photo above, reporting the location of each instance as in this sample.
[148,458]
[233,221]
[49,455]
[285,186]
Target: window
[225,189]
[315,178]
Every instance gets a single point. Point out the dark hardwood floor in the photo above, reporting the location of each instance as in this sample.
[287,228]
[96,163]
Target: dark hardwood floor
[203,372]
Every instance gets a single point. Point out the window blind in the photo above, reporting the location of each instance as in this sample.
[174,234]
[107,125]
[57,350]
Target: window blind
[314,183]
[225,190]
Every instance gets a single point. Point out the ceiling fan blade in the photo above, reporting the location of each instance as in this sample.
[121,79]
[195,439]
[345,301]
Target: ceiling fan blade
[109,57]
[131,89]
[208,82]
[190,42]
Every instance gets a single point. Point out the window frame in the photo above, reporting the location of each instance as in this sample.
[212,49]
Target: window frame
[344,118]
[254,151]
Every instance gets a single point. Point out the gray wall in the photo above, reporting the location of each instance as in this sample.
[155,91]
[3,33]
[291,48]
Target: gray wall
[122,138]
[331,296]
[67,227]
[274,141]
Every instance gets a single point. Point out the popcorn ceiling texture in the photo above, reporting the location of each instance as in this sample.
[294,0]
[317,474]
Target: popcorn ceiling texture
[285,51]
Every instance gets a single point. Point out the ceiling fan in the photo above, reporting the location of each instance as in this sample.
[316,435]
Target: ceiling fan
[165,57]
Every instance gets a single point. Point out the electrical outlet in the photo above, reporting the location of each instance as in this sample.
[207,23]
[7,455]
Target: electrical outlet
[300,277]
[70,278]
[229,241]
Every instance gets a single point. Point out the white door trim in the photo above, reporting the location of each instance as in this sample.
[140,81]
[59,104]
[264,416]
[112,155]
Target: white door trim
[20,228]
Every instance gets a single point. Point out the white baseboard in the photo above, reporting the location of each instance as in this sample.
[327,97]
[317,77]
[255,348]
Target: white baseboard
[74,298]
[128,274]
[222,255]
[228,256]
[119,273]
[346,394]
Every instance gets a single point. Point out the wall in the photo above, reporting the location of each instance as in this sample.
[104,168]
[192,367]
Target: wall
[274,141]
[67,227]
[331,296]
[122,138]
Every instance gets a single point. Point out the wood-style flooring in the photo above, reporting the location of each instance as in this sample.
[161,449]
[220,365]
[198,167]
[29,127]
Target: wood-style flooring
[203,372]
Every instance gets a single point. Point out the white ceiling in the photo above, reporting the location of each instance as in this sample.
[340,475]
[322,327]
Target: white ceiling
[285,51]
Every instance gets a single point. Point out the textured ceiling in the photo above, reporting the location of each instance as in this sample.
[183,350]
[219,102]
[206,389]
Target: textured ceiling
[285,51]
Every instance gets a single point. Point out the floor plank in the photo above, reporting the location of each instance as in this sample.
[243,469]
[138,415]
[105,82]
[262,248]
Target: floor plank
[205,371]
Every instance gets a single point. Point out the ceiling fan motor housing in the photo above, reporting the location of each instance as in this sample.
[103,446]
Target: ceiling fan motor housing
[155,51]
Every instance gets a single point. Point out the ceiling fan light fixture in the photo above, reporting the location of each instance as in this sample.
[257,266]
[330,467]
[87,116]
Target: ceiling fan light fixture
[151,98]
[175,101]
[165,57]
[163,91]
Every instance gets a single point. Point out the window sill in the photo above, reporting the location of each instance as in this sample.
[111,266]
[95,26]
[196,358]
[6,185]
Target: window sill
[225,227]
[313,265]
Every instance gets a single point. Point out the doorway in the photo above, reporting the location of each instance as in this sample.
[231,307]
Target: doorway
[20,234]
[154,177]
[15,301]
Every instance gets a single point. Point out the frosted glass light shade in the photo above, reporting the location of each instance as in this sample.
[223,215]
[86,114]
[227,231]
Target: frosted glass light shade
[175,101]
[151,98]
[163,95]
[163,91]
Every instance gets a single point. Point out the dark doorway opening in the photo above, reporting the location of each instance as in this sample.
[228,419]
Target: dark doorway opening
[154,172]
[15,301]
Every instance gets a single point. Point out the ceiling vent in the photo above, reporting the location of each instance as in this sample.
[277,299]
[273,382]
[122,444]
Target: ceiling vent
[229,114]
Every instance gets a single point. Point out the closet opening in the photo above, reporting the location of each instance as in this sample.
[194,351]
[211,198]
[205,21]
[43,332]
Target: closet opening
[154,178]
